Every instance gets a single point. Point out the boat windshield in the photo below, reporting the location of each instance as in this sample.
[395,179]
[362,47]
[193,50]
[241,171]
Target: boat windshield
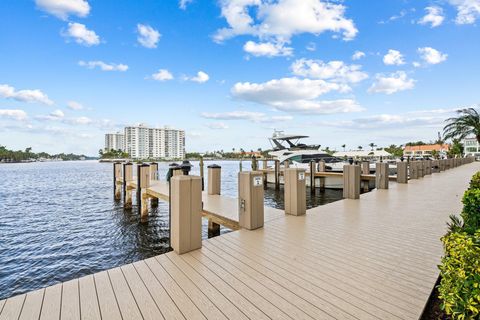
[306,158]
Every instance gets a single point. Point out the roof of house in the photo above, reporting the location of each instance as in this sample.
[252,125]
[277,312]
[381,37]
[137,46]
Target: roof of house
[428,147]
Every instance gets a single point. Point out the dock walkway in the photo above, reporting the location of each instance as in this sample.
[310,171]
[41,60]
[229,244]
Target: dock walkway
[373,258]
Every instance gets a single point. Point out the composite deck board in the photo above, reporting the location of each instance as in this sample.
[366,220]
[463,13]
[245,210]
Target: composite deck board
[12,307]
[373,258]
[89,308]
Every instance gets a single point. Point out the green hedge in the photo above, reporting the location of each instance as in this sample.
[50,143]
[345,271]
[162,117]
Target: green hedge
[459,287]
[460,270]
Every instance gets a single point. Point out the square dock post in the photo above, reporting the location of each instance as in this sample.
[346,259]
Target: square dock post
[143,182]
[214,179]
[117,177]
[294,188]
[186,208]
[402,172]
[351,181]
[381,175]
[127,178]
[250,200]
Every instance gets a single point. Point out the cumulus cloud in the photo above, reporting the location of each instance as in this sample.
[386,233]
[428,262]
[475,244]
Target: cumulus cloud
[56,115]
[246,115]
[467,10]
[147,36]
[267,49]
[434,16]
[81,34]
[103,66]
[393,57]
[357,55]
[389,84]
[201,77]
[336,71]
[182,4]
[14,114]
[432,56]
[63,8]
[278,21]
[295,95]
[74,105]
[162,75]
[31,96]
[217,125]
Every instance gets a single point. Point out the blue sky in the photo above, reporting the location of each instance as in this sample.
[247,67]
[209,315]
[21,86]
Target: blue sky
[230,71]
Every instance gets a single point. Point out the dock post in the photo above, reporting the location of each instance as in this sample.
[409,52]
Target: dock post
[143,182]
[186,210]
[277,175]
[312,176]
[421,168]
[214,179]
[154,171]
[322,168]
[381,175]
[254,163]
[250,200]
[202,176]
[351,181]
[294,190]
[265,164]
[240,165]
[441,165]
[127,177]
[286,164]
[117,183]
[428,170]
[402,172]
[413,169]
[365,167]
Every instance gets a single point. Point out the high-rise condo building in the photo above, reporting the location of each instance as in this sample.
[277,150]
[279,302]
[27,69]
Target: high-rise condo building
[114,141]
[142,142]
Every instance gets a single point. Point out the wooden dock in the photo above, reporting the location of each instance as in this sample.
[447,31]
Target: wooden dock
[370,259]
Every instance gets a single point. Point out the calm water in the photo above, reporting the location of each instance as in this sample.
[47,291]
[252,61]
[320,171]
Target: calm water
[58,221]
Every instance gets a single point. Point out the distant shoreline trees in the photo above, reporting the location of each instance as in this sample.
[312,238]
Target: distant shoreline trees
[7,155]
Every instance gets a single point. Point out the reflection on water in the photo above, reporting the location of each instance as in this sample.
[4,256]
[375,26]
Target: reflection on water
[58,221]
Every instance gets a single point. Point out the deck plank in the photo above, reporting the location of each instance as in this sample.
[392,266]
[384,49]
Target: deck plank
[70,301]
[126,301]
[2,303]
[144,300]
[162,299]
[12,307]
[32,305]
[52,301]
[89,308]
[183,302]
[106,297]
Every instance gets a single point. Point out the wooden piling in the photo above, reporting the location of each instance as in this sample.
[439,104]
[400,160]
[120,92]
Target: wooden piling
[413,169]
[186,211]
[277,175]
[365,167]
[294,190]
[381,175]
[154,171]
[312,176]
[214,179]
[202,176]
[351,181]
[117,183]
[143,182]
[321,168]
[127,178]
[250,200]
[402,172]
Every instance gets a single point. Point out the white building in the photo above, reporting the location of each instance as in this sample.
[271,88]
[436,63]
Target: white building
[471,147]
[114,141]
[142,142]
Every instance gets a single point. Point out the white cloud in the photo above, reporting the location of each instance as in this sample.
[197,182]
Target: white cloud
[295,95]
[162,75]
[246,115]
[32,96]
[74,105]
[311,46]
[182,4]
[217,125]
[267,49]
[467,10]
[336,71]
[147,36]
[201,77]
[357,55]
[14,114]
[393,57]
[282,19]
[432,56]
[56,115]
[63,8]
[434,16]
[80,121]
[395,82]
[81,34]
[103,66]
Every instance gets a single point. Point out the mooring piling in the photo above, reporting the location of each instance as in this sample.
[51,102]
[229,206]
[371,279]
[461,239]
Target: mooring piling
[250,200]
[351,181]
[294,190]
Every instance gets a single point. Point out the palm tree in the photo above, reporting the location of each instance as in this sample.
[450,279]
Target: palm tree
[360,148]
[343,146]
[465,124]
[372,145]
